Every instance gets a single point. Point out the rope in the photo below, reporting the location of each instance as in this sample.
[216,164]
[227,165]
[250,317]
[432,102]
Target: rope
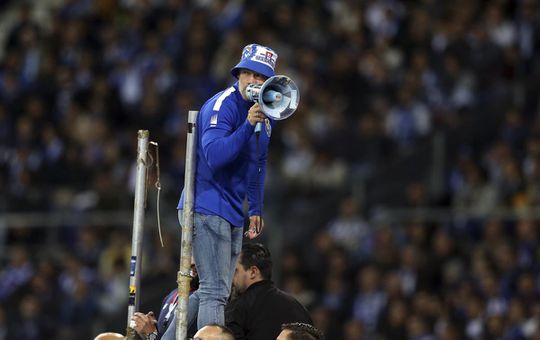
[158,187]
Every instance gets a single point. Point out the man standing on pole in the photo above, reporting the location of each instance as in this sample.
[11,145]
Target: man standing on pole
[230,167]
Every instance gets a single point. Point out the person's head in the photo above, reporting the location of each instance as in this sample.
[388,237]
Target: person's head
[214,332]
[254,265]
[299,331]
[109,336]
[256,64]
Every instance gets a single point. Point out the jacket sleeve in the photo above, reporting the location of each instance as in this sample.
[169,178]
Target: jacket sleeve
[222,141]
[256,176]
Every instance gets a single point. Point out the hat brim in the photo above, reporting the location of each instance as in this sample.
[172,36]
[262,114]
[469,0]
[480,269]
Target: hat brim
[252,66]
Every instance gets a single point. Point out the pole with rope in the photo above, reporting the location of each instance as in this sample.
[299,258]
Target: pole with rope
[137,237]
[184,274]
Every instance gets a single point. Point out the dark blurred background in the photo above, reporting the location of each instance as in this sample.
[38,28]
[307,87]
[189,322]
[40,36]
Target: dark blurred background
[402,198]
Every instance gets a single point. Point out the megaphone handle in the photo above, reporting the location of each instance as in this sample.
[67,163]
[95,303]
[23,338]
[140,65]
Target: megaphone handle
[258,127]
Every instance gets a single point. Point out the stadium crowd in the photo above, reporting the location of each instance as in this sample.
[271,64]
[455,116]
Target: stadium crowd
[383,82]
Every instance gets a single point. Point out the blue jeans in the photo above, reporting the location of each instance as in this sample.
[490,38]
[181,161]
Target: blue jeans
[216,246]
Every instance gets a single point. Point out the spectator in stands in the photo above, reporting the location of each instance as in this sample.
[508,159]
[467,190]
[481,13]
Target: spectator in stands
[147,326]
[17,273]
[369,299]
[299,331]
[260,308]
[109,336]
[214,332]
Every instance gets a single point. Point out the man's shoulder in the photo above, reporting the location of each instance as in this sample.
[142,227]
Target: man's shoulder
[266,301]
[267,291]
[281,297]
[169,297]
[225,99]
[251,294]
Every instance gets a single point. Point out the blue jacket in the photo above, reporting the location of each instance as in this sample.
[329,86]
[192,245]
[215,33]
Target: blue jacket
[167,312]
[167,317]
[228,169]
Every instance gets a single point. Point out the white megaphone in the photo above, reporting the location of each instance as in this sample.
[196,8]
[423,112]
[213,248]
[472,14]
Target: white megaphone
[278,97]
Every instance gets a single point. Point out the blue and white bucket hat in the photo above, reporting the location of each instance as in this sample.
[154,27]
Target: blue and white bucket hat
[257,58]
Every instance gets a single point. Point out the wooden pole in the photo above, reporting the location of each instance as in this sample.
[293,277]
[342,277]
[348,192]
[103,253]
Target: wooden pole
[184,276]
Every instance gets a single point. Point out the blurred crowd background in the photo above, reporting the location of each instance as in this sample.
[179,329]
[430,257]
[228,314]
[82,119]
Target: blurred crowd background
[402,197]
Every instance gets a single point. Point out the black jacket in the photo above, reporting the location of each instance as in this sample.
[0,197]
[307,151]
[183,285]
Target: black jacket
[259,312]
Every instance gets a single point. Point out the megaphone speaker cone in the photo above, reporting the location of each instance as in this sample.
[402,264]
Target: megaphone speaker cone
[278,96]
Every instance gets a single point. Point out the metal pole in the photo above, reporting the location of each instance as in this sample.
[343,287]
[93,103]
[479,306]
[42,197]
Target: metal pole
[184,276]
[137,237]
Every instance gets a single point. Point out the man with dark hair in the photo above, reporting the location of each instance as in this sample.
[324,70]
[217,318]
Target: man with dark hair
[214,331]
[299,331]
[260,308]
[254,256]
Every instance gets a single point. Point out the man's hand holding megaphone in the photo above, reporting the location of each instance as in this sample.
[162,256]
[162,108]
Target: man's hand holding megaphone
[255,114]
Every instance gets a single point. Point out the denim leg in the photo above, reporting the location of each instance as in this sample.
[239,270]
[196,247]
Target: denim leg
[213,252]
[236,248]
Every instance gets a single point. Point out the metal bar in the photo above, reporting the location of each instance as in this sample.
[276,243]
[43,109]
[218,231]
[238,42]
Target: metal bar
[123,218]
[184,275]
[137,237]
[51,220]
